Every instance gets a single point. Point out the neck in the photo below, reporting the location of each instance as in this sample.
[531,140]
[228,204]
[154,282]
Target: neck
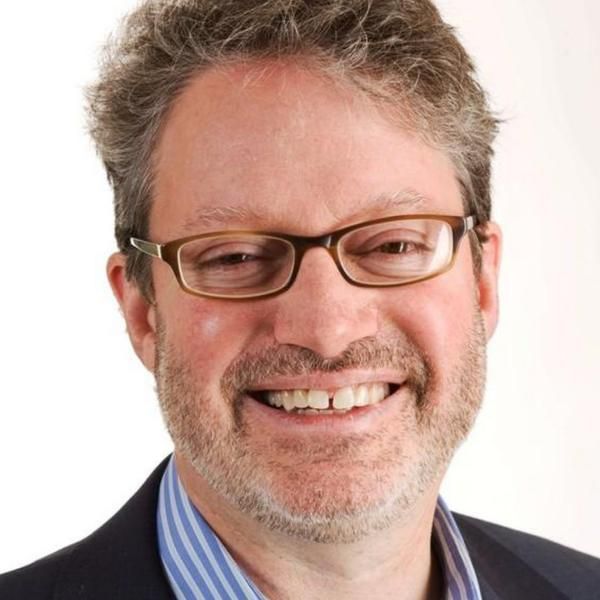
[396,562]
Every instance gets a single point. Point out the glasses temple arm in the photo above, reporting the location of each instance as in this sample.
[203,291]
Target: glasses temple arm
[470,223]
[149,248]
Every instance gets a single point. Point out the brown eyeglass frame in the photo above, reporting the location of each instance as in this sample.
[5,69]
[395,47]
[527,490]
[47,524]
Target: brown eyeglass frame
[169,251]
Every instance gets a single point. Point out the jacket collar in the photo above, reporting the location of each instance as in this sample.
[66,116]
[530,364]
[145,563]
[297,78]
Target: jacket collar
[121,560]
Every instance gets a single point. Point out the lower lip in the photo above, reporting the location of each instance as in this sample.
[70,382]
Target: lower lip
[355,420]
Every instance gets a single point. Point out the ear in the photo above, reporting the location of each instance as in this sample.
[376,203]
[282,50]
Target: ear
[140,315]
[487,286]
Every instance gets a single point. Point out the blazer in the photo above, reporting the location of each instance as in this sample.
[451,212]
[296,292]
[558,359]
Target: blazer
[120,561]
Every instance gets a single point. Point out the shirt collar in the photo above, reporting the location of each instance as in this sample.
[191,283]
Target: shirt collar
[453,556]
[198,565]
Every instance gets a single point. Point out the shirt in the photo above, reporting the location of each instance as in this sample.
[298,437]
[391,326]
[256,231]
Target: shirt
[199,567]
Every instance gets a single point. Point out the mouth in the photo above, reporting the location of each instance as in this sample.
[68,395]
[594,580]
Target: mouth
[325,402]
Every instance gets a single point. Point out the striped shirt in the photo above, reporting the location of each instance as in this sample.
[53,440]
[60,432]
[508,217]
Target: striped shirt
[198,566]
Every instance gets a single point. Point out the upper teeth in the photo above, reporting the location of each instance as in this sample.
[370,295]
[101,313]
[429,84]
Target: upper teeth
[343,399]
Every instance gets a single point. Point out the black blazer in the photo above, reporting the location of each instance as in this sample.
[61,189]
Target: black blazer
[120,561]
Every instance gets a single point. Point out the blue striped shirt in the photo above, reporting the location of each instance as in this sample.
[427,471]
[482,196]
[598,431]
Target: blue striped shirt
[198,566]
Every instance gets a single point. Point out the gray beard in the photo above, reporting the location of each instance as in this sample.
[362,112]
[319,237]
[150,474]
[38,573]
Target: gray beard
[338,508]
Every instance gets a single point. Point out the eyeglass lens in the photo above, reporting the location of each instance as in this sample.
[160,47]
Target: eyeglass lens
[397,251]
[236,265]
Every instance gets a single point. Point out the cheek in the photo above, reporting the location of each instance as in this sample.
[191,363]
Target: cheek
[211,334]
[207,327]
[437,316]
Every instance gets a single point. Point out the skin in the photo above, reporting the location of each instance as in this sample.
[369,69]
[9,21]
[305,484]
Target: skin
[310,157]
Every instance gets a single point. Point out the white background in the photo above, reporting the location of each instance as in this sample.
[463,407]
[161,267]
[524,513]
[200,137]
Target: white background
[79,423]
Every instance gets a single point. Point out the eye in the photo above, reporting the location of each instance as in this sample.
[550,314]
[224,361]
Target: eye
[399,242]
[226,256]
[227,260]
[400,247]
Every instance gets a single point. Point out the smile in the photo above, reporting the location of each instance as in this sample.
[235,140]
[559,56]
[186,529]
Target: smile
[312,401]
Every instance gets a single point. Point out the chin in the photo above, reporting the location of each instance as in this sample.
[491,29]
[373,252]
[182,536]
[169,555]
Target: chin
[336,507]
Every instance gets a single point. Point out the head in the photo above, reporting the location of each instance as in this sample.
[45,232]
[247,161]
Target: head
[302,119]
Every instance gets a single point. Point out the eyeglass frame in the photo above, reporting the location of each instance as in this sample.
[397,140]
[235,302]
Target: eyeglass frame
[169,251]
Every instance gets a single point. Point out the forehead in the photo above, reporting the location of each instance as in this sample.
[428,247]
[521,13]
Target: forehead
[282,147]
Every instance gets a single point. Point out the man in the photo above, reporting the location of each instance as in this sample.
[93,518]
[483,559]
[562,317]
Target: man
[308,266]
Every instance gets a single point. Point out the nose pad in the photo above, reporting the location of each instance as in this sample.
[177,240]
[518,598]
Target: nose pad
[322,311]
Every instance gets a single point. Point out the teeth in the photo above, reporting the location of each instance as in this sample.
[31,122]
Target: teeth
[361,395]
[301,399]
[344,398]
[288,400]
[277,400]
[377,393]
[317,401]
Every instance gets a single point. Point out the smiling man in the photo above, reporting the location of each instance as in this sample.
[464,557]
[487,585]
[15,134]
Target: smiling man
[308,266]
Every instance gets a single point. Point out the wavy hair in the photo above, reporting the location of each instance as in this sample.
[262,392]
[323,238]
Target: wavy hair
[400,52]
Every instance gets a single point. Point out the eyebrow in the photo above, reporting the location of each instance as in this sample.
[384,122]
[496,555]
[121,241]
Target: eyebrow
[221,215]
[213,216]
[402,200]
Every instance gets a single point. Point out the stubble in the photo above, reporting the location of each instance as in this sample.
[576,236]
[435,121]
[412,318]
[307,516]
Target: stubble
[349,495]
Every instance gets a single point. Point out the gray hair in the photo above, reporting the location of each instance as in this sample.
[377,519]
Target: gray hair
[399,52]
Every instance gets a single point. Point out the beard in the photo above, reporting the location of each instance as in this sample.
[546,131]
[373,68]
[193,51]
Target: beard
[320,488]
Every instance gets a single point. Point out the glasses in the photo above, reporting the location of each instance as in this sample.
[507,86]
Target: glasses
[386,252]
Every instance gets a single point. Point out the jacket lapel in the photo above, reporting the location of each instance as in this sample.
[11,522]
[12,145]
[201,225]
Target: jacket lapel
[502,573]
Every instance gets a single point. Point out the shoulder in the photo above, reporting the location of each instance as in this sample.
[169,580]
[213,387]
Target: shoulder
[120,559]
[35,581]
[507,557]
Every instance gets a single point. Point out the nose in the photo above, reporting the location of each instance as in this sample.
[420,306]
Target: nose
[322,311]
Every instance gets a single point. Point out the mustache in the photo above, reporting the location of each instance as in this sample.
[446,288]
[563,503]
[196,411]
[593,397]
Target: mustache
[249,370]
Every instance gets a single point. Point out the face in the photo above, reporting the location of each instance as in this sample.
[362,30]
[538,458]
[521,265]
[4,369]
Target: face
[285,150]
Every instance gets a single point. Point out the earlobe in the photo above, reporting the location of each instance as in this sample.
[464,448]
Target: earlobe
[139,314]
[488,280]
